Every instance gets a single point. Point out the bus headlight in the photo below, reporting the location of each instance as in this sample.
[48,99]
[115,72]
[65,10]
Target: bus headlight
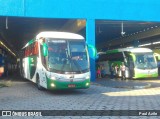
[87,84]
[53,78]
[52,85]
[88,77]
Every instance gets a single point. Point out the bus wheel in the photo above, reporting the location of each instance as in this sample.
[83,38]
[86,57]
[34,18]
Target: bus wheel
[38,83]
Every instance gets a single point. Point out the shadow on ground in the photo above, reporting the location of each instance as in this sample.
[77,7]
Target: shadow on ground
[128,83]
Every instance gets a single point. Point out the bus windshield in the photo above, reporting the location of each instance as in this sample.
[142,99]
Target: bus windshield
[145,61]
[66,56]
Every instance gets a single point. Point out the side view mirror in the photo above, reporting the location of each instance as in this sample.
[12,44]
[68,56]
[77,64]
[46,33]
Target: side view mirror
[133,56]
[45,50]
[93,51]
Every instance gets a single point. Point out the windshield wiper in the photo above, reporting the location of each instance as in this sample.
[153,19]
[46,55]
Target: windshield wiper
[65,60]
[77,66]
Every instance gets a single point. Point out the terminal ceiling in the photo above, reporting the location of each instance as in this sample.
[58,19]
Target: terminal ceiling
[17,31]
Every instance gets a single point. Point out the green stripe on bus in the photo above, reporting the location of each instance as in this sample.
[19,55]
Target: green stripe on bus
[141,75]
[31,41]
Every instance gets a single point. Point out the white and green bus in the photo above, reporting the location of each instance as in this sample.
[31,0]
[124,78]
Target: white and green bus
[139,62]
[56,60]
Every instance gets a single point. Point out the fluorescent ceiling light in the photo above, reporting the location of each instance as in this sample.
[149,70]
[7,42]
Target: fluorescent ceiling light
[145,44]
[156,42]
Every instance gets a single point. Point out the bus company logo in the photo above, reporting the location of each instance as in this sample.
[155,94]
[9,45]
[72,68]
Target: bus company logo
[6,113]
[71,76]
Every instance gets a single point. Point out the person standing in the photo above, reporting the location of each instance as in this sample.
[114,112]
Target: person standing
[116,70]
[112,71]
[102,71]
[123,69]
[99,72]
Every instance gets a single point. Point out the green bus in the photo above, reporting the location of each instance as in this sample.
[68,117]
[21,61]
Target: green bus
[56,60]
[139,62]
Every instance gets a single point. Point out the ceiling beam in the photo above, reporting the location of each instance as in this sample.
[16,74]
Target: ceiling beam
[137,36]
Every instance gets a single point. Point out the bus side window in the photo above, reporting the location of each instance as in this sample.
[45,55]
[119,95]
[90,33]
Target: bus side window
[36,48]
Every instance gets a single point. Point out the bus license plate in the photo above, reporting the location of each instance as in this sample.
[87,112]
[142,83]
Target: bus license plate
[71,85]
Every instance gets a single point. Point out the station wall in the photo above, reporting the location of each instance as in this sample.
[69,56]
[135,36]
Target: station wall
[141,10]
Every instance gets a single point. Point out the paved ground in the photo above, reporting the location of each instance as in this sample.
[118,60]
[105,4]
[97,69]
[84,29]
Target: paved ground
[23,95]
[129,84]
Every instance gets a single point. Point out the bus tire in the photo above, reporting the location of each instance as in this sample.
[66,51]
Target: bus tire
[38,83]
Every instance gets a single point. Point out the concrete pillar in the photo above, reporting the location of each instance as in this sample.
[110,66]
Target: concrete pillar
[90,39]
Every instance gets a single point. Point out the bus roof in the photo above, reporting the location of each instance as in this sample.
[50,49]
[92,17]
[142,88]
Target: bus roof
[61,35]
[56,34]
[134,50]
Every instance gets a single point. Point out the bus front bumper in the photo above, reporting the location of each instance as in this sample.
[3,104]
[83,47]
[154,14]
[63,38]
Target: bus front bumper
[58,85]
